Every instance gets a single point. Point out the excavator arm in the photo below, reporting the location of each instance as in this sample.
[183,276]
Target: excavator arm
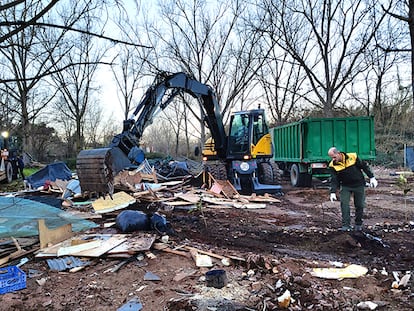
[97,167]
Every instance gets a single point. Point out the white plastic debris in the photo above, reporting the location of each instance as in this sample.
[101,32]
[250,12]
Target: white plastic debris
[279,284]
[403,282]
[337,264]
[367,305]
[203,260]
[284,300]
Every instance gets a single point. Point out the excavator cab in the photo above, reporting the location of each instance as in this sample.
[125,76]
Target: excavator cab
[249,135]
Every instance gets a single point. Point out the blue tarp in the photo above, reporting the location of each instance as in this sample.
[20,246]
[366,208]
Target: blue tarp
[18,218]
[409,156]
[51,172]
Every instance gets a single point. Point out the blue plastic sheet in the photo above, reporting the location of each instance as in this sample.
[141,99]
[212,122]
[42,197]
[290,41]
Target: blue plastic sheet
[409,156]
[51,172]
[18,218]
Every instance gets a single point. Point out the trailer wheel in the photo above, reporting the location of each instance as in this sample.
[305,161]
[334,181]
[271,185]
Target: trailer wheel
[269,173]
[299,179]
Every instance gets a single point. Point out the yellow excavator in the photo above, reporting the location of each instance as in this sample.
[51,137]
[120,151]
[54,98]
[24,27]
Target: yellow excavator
[243,156]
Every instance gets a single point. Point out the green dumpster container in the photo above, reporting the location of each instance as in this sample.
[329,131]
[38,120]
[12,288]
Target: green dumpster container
[300,148]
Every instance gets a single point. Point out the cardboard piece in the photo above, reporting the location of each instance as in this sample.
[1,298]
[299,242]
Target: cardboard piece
[120,200]
[52,236]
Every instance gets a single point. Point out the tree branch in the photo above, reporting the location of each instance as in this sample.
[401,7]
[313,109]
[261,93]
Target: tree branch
[30,22]
[50,72]
[25,24]
[10,5]
[390,50]
[400,17]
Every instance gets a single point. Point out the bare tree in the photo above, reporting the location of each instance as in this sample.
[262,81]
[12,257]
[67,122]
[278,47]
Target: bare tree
[9,27]
[177,115]
[76,84]
[374,87]
[165,137]
[210,42]
[404,12]
[130,64]
[328,39]
[127,78]
[25,62]
[29,55]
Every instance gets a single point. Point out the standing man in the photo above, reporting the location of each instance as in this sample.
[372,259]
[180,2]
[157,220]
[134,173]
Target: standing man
[20,165]
[347,175]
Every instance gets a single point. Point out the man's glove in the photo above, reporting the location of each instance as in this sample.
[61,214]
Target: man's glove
[373,182]
[333,197]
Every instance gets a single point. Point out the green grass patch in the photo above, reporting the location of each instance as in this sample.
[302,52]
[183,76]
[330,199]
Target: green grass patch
[27,171]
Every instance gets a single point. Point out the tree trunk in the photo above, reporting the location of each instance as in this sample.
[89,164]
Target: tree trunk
[411,26]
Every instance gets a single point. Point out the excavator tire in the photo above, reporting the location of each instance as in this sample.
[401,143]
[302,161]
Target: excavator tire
[269,173]
[94,169]
[218,171]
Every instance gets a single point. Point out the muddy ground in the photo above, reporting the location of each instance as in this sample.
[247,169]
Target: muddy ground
[272,250]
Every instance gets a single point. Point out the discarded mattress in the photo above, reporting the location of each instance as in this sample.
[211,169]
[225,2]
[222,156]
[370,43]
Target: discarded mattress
[51,172]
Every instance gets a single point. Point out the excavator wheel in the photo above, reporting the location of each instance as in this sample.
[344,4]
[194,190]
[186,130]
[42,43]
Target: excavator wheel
[269,173]
[218,171]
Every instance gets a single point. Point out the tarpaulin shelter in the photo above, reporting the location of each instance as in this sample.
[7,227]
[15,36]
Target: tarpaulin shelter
[51,172]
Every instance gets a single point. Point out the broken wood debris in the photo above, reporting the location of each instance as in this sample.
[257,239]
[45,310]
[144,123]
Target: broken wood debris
[20,252]
[101,244]
[52,236]
[141,185]
[222,186]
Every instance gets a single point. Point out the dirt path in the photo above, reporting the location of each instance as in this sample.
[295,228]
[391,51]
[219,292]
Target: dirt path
[273,250]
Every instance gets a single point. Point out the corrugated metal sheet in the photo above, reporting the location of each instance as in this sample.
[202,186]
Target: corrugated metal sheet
[65,263]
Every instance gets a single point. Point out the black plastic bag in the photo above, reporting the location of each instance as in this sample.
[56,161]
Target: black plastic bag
[129,221]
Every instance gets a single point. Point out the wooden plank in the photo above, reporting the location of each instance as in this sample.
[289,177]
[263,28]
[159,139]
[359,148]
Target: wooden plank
[16,254]
[109,242]
[189,197]
[52,236]
[105,247]
[260,198]
[148,192]
[142,242]
[228,189]
[205,252]
[165,248]
[178,203]
[76,248]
